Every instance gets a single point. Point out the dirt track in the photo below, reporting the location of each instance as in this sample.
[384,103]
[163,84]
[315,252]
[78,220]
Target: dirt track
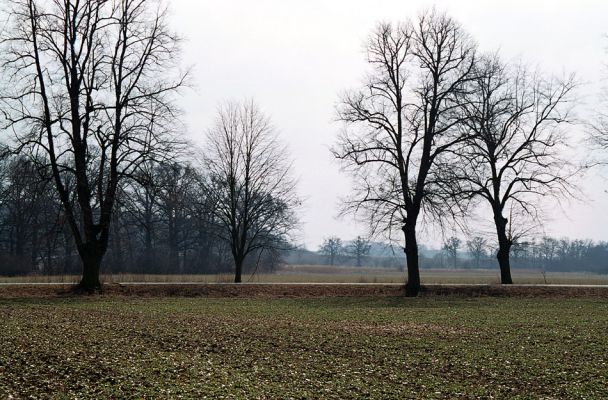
[302,290]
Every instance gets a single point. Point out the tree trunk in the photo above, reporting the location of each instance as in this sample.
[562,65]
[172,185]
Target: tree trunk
[173,243]
[34,249]
[412,288]
[117,253]
[67,251]
[238,271]
[505,267]
[504,247]
[91,263]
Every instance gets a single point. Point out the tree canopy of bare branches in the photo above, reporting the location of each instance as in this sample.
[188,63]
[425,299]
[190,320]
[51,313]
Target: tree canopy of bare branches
[476,247]
[88,87]
[401,127]
[359,248]
[333,248]
[515,152]
[598,132]
[249,182]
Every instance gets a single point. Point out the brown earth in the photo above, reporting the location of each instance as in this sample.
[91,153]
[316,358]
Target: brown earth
[300,290]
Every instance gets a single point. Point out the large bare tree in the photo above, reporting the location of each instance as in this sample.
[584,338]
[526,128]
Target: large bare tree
[599,124]
[250,182]
[89,84]
[515,154]
[400,128]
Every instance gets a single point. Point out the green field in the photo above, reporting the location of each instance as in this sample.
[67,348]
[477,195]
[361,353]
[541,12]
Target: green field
[296,348]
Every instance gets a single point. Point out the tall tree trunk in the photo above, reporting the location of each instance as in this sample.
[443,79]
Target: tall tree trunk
[504,247]
[238,270]
[34,249]
[117,248]
[173,250]
[67,251]
[19,241]
[91,257]
[412,288]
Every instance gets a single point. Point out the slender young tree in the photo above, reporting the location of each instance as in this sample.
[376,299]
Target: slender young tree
[515,153]
[477,249]
[89,84]
[249,182]
[400,128]
[451,246]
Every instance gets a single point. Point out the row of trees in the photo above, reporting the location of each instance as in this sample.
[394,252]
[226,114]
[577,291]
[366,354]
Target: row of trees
[437,126]
[171,217]
[87,105]
[157,226]
[546,253]
[335,249]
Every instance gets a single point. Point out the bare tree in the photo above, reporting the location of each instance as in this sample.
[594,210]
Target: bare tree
[515,152]
[477,249]
[401,126]
[359,248]
[451,246]
[141,204]
[89,84]
[250,182]
[27,212]
[332,247]
[599,126]
[176,184]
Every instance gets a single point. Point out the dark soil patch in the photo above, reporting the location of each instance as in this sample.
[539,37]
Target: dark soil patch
[300,291]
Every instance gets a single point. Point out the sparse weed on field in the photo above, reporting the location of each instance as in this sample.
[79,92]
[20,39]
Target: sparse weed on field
[327,348]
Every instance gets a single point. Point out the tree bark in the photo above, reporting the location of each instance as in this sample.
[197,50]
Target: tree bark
[91,258]
[505,267]
[504,247]
[412,288]
[173,241]
[238,270]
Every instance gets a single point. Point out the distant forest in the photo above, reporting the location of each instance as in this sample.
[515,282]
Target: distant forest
[161,225]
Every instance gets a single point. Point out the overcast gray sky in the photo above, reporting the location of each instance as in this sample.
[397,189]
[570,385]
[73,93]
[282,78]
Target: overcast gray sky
[295,57]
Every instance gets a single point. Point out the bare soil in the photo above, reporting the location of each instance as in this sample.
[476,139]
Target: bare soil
[302,291]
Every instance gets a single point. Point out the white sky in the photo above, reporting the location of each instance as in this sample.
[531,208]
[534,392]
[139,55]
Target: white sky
[295,57]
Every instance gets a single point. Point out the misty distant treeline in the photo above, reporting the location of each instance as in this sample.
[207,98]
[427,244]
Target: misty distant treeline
[164,223]
[545,254]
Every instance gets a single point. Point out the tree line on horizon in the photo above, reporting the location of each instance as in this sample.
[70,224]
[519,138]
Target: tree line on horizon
[535,253]
[95,170]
